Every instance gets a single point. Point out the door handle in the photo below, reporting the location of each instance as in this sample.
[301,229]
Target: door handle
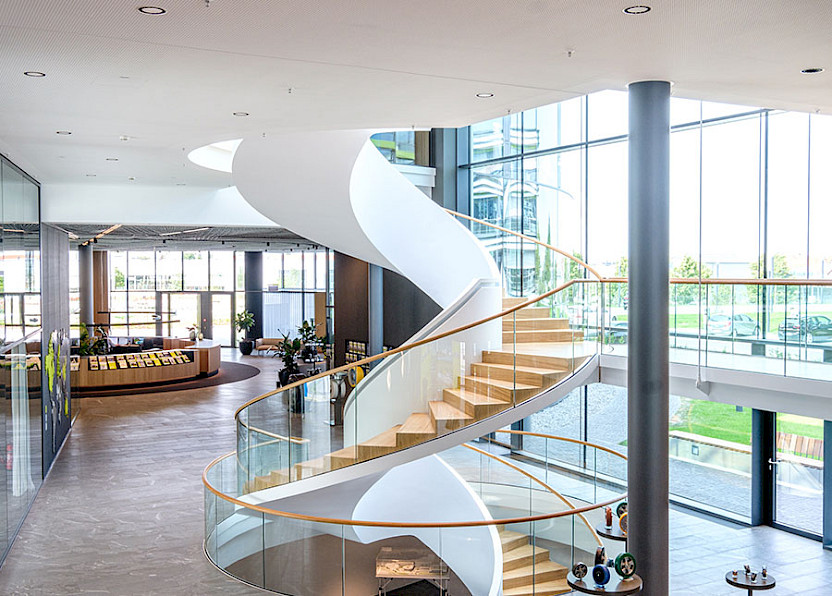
[773,462]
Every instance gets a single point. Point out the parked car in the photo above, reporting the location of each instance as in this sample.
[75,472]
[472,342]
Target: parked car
[817,328]
[728,326]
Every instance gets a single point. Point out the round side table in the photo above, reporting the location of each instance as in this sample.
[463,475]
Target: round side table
[613,533]
[744,581]
[616,587]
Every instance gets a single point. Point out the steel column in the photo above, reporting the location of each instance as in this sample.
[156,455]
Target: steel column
[648,366]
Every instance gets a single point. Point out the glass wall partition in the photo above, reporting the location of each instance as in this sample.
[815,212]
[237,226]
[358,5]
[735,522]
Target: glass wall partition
[20,374]
[749,191]
[205,289]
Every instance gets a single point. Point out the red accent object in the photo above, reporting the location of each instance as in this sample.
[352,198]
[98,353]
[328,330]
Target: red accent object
[608,512]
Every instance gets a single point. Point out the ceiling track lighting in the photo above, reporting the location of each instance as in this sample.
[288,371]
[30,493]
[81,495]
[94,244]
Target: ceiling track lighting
[94,239]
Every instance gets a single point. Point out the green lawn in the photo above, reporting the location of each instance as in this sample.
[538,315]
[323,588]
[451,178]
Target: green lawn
[723,421]
[691,320]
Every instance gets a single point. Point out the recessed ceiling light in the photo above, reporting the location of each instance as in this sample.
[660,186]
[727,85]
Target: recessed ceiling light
[485,95]
[180,184]
[91,175]
[154,10]
[124,138]
[638,9]
[35,73]
[132,178]
[63,132]
[111,159]
[241,114]
[816,70]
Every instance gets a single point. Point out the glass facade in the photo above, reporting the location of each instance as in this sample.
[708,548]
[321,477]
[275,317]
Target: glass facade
[206,289]
[21,432]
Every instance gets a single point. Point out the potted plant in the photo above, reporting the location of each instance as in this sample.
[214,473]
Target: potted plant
[92,345]
[310,340]
[288,350]
[245,321]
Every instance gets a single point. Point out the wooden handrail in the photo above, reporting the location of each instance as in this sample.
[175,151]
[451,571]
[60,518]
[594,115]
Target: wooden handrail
[406,347]
[381,524]
[732,281]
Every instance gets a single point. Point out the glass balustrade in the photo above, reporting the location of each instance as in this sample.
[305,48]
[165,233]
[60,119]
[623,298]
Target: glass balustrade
[543,506]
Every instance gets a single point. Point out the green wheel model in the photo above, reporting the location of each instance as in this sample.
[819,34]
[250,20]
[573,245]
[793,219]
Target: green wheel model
[625,565]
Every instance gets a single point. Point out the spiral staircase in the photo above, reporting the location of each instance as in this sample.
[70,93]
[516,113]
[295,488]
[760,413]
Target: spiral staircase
[483,363]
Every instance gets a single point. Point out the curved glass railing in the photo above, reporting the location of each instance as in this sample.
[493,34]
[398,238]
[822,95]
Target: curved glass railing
[532,531]
[428,388]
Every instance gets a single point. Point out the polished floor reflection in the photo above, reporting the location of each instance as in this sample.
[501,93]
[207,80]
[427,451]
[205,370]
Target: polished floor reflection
[122,510]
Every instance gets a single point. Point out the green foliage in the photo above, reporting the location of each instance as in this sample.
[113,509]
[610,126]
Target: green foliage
[92,345]
[688,269]
[617,292]
[779,270]
[307,334]
[120,282]
[289,349]
[244,321]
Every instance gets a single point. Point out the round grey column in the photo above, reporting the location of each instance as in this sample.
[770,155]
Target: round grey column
[647,369]
[85,285]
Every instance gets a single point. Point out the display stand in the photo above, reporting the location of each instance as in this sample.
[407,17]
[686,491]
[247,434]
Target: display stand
[617,586]
[744,581]
[613,533]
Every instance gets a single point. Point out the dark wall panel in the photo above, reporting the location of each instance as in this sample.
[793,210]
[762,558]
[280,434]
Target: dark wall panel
[406,309]
[55,343]
[351,304]
[254,292]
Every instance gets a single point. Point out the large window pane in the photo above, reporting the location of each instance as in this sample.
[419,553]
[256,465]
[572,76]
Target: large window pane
[710,454]
[292,266]
[141,270]
[222,270]
[308,270]
[196,270]
[555,125]
[272,270]
[168,270]
[799,472]
[607,205]
[608,114]
[118,269]
[496,138]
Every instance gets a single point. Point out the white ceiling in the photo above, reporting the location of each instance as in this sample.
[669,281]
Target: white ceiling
[171,82]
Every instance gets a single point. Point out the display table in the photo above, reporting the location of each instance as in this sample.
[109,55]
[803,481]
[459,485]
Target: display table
[179,360]
[410,564]
[617,586]
[744,581]
[613,533]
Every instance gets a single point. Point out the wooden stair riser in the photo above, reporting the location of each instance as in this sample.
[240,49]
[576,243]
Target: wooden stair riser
[529,324]
[484,387]
[513,540]
[511,358]
[530,312]
[476,411]
[509,302]
[538,379]
[538,556]
[367,452]
[545,336]
[447,418]
[529,576]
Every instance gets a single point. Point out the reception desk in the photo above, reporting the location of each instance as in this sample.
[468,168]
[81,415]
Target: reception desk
[179,360]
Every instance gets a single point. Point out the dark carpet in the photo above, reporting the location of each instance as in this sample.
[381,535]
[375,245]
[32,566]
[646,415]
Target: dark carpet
[230,372]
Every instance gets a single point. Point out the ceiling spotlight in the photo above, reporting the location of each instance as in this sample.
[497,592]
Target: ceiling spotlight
[638,9]
[63,132]
[111,159]
[485,95]
[811,71]
[241,114]
[131,178]
[124,138]
[154,10]
[35,73]
[181,184]
[91,175]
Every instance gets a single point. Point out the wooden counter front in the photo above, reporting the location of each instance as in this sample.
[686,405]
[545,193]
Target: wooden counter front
[205,361]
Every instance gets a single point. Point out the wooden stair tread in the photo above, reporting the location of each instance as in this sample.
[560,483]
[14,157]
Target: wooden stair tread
[442,410]
[540,589]
[345,453]
[522,556]
[385,439]
[511,540]
[527,369]
[476,398]
[418,424]
[534,569]
[500,383]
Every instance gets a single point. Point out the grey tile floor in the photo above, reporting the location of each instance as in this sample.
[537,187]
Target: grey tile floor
[122,510]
